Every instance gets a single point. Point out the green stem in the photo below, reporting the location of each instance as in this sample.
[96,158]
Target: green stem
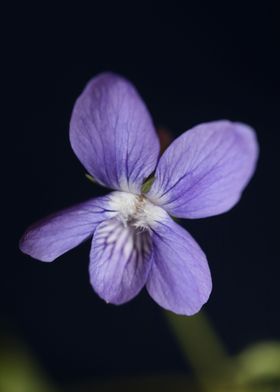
[201,348]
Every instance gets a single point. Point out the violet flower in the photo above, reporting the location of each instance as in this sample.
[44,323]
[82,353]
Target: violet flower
[136,242]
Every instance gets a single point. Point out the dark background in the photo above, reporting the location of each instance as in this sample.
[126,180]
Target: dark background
[191,64]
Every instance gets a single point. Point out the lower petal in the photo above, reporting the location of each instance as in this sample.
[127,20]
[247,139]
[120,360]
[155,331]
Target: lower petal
[120,261]
[56,234]
[179,279]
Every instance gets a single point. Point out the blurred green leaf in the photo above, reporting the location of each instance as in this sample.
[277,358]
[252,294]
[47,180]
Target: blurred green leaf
[258,367]
[18,371]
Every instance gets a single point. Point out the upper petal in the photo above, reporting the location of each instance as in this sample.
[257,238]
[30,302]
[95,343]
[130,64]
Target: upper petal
[204,171]
[112,133]
[179,279]
[56,234]
[119,261]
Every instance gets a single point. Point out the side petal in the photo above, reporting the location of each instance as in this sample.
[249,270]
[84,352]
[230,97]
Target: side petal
[112,133]
[180,279]
[119,261]
[56,234]
[205,170]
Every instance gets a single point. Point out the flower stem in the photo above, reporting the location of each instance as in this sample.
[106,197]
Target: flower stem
[201,348]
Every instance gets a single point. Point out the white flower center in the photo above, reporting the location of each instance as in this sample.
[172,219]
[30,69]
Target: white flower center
[136,210]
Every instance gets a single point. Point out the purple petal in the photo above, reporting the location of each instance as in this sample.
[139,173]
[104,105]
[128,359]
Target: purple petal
[120,261]
[112,133]
[51,237]
[205,170]
[180,279]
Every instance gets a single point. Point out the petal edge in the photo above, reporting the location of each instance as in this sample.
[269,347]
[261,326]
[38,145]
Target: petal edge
[112,133]
[205,170]
[54,235]
[180,279]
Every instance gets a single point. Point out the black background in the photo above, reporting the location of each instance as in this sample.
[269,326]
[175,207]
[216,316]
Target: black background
[190,63]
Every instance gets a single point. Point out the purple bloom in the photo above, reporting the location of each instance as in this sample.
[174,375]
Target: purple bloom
[135,240]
